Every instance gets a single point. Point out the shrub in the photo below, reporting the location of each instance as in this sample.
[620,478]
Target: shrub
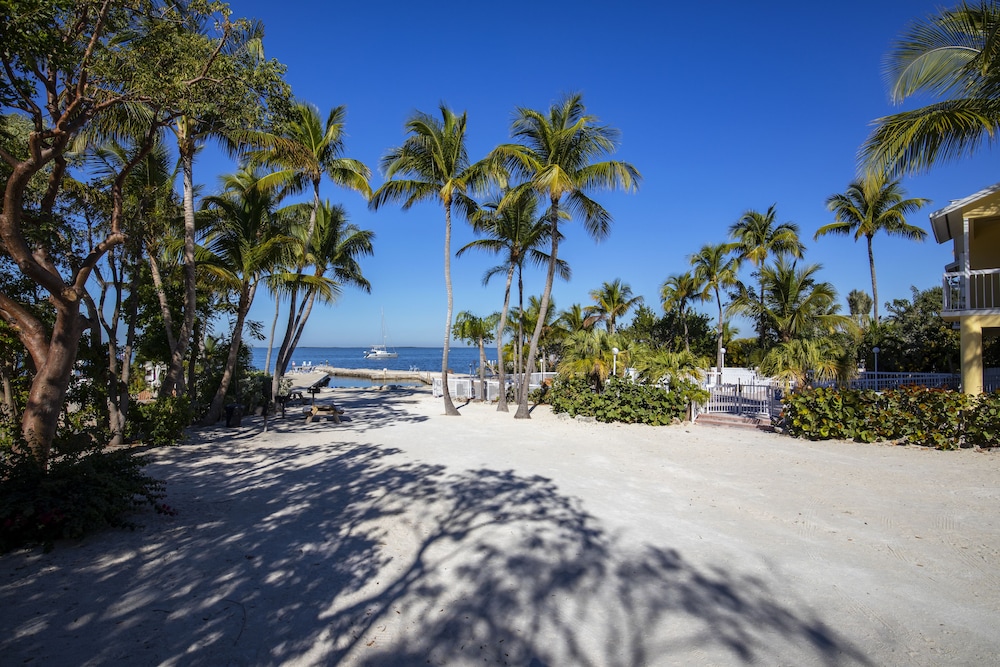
[80,493]
[623,401]
[938,418]
[161,422]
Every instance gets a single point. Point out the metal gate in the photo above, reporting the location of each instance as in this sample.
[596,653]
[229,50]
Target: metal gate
[755,400]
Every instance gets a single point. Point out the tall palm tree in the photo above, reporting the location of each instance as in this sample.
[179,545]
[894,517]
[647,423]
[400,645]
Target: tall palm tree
[612,301]
[679,290]
[715,268]
[556,156]
[952,56]
[433,163]
[478,331]
[516,233]
[873,204]
[301,152]
[757,237]
[245,243]
[590,354]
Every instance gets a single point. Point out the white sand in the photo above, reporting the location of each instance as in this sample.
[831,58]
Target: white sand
[403,537]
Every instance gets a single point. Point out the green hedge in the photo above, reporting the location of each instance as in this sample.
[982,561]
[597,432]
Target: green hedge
[623,401]
[938,418]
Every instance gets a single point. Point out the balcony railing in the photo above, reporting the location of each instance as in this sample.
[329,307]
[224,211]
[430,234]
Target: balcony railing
[979,292]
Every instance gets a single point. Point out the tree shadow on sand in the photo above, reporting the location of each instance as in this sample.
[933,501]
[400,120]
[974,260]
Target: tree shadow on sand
[347,555]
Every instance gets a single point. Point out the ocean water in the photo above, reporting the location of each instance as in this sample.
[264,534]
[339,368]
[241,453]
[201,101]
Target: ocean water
[460,359]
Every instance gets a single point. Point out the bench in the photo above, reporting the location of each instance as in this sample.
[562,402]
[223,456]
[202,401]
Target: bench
[331,411]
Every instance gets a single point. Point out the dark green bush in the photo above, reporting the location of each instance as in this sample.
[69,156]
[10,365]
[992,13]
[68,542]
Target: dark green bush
[623,401]
[80,493]
[160,423]
[922,416]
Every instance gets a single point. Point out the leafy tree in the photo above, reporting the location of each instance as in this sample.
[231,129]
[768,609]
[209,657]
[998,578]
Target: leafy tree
[556,156]
[97,65]
[873,204]
[757,238]
[951,56]
[914,338]
[433,163]
[513,230]
[677,292]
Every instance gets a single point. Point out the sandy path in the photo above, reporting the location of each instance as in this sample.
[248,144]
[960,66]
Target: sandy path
[403,537]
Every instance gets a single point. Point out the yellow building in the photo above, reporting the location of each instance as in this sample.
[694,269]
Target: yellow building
[972,280]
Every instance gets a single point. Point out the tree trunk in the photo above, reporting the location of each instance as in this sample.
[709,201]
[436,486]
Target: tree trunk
[174,380]
[449,406]
[871,265]
[482,369]
[218,401]
[718,338]
[502,396]
[270,340]
[522,399]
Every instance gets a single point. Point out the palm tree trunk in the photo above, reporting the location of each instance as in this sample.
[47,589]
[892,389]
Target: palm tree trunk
[871,265]
[502,395]
[218,401]
[718,337]
[270,340]
[550,274]
[449,406]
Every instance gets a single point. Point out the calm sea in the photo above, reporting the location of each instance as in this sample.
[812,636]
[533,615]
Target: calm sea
[460,359]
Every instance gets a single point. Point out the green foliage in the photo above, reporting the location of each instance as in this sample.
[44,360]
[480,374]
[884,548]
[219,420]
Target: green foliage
[921,416]
[623,401]
[80,494]
[914,338]
[162,422]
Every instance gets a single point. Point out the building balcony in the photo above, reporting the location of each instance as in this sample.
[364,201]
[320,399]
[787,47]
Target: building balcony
[973,293]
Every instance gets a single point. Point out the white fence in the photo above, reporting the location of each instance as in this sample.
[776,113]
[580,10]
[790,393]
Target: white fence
[464,387]
[754,400]
[880,381]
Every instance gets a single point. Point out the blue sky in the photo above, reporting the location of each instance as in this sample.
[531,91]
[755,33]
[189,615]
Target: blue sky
[723,108]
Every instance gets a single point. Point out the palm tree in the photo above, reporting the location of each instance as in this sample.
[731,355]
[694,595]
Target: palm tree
[677,292]
[952,56]
[803,361]
[795,304]
[515,232]
[301,152]
[556,157]
[245,243]
[756,238]
[573,319]
[590,354]
[478,331]
[656,366]
[435,165]
[715,268]
[871,204]
[612,301]
[859,304]
[332,250]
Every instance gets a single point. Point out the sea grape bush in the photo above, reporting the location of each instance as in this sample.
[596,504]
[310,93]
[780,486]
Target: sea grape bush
[160,423]
[922,416]
[78,494]
[623,401]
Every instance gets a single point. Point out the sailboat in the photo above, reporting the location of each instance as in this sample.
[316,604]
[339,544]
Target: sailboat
[381,351]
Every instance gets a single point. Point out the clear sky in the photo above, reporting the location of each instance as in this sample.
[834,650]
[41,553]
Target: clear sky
[722,107]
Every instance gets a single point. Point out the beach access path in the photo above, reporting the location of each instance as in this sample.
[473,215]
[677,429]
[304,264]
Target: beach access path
[404,537]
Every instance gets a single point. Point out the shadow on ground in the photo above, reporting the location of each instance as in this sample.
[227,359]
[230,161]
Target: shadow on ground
[345,555]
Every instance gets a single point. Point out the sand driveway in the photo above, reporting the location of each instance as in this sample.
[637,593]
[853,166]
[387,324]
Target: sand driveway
[403,537]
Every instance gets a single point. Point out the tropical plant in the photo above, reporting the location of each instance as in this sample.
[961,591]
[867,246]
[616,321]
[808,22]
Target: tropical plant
[802,361]
[715,269]
[590,354]
[873,204]
[556,156]
[433,163]
[859,305]
[952,56]
[477,331]
[666,367]
[513,230]
[679,290]
[245,243]
[612,301]
[756,238]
